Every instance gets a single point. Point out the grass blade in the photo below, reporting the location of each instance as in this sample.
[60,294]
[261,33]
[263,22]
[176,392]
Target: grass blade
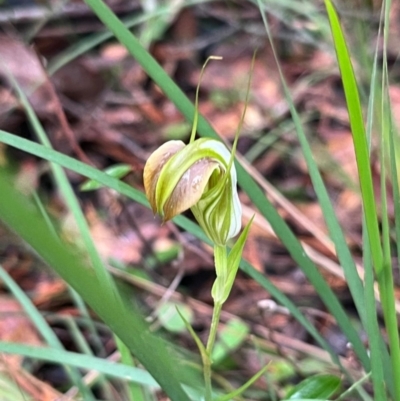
[135,375]
[359,136]
[372,328]
[380,258]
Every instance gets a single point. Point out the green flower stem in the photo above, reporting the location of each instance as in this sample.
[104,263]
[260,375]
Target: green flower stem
[221,268]
[214,328]
[210,345]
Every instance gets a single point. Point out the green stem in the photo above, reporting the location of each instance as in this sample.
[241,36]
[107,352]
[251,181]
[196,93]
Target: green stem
[196,104]
[214,328]
[207,378]
[210,345]
[221,268]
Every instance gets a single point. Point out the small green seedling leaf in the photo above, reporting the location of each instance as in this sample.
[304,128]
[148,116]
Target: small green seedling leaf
[117,171]
[171,319]
[230,338]
[315,387]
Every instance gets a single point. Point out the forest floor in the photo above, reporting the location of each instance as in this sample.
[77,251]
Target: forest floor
[102,109]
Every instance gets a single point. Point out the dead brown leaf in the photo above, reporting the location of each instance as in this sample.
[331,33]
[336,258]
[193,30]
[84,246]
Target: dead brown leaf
[21,63]
[124,247]
[37,389]
[15,327]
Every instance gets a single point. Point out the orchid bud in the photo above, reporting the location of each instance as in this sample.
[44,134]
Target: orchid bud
[199,176]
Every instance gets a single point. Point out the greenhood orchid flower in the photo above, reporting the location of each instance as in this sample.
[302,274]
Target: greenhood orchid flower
[200,176]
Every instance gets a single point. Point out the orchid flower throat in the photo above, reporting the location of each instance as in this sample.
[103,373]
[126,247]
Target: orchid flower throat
[176,175]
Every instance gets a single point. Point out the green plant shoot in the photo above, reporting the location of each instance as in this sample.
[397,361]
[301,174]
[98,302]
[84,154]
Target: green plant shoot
[201,176]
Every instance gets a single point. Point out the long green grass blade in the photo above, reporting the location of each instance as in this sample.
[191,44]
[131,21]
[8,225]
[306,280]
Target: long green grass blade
[112,369]
[395,187]
[380,258]
[359,136]
[87,362]
[380,359]
[387,139]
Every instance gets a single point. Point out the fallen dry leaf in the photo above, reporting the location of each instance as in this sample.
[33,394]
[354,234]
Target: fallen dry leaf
[16,327]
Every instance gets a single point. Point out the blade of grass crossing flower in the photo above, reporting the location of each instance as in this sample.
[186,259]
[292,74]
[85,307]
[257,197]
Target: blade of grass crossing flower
[43,328]
[335,231]
[72,164]
[246,182]
[191,227]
